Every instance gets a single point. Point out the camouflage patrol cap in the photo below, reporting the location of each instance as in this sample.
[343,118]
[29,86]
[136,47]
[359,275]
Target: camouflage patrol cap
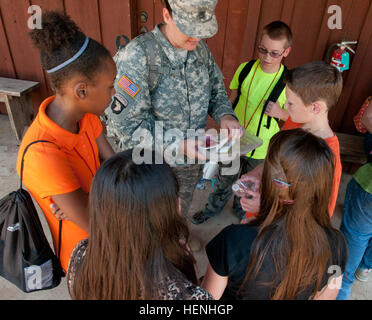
[195,18]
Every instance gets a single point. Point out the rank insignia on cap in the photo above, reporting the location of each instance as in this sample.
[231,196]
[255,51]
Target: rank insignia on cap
[119,103]
[128,86]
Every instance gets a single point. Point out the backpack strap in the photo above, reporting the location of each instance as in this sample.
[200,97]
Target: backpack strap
[120,46]
[152,49]
[156,66]
[21,181]
[243,74]
[204,52]
[274,96]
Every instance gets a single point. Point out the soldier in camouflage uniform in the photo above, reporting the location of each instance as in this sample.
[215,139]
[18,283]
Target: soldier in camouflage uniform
[169,75]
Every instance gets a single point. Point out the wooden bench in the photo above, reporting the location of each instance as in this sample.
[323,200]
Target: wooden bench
[352,148]
[15,94]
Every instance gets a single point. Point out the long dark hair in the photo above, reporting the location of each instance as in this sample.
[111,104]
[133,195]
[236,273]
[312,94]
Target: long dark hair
[137,237]
[294,221]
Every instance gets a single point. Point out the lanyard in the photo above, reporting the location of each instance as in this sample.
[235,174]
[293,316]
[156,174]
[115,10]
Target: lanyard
[81,157]
[249,89]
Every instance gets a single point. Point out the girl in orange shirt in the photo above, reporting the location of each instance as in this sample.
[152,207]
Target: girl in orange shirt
[81,72]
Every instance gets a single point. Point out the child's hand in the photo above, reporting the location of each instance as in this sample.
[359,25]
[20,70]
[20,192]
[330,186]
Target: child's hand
[59,214]
[274,110]
[252,178]
[251,201]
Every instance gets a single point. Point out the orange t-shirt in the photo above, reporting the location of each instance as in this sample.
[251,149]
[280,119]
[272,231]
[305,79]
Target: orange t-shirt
[49,170]
[335,147]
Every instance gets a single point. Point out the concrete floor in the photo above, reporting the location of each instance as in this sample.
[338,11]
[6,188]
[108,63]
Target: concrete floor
[9,181]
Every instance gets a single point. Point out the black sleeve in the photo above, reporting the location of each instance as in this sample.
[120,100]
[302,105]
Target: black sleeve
[343,254]
[230,249]
[339,249]
[339,256]
[217,255]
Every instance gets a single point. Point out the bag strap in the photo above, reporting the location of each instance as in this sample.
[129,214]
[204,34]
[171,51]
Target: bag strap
[204,52]
[21,182]
[152,49]
[274,96]
[243,74]
[118,41]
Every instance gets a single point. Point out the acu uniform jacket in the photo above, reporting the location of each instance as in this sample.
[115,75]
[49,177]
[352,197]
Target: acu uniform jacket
[186,91]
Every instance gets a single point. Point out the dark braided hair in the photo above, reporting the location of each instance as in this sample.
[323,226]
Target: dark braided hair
[59,40]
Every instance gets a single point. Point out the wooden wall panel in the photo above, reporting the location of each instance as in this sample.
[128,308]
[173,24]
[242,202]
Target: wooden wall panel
[360,78]
[218,43]
[113,24]
[235,22]
[6,62]
[25,57]
[86,14]
[158,11]
[148,7]
[46,5]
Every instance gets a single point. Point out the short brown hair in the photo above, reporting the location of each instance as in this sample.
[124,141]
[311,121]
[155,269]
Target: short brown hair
[278,30]
[315,81]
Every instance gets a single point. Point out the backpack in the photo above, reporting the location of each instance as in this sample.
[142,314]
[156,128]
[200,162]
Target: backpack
[362,129]
[26,258]
[274,95]
[358,118]
[153,50]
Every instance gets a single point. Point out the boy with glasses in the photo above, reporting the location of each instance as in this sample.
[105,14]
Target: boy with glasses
[258,91]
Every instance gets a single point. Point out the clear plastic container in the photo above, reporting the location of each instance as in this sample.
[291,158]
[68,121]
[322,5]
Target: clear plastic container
[240,188]
[249,142]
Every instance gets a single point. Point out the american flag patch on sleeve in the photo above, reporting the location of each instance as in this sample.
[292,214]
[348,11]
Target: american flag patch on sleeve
[128,86]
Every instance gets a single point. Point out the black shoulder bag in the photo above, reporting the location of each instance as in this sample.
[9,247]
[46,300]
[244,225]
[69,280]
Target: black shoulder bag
[26,258]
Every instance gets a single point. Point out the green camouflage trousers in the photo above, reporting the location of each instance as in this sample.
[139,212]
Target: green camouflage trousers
[222,188]
[188,177]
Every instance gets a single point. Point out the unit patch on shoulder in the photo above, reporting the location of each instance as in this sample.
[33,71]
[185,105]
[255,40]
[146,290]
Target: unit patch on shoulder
[128,86]
[119,103]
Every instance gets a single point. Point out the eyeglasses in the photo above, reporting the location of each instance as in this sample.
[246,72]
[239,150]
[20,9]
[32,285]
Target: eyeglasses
[273,54]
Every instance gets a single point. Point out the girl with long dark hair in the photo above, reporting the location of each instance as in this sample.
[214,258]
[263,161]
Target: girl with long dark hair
[137,247]
[291,251]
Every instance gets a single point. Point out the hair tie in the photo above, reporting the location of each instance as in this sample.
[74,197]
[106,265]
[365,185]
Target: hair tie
[286,201]
[69,61]
[282,183]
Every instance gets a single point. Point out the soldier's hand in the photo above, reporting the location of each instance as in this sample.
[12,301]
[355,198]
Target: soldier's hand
[190,149]
[236,131]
